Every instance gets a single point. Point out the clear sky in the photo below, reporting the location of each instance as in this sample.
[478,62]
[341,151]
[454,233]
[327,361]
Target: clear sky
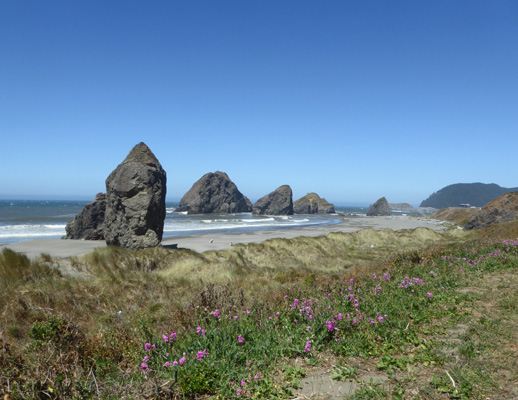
[354,100]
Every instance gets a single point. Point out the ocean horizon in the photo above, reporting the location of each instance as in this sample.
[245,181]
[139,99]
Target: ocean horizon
[22,220]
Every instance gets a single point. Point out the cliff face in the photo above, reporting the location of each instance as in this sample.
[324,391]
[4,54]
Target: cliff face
[214,193]
[502,209]
[312,203]
[474,194]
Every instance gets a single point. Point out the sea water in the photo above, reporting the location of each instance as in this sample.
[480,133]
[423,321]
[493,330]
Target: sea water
[22,220]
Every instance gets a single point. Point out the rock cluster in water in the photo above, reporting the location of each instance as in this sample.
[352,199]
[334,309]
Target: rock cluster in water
[278,202]
[135,201]
[89,223]
[380,208]
[501,209]
[312,203]
[214,193]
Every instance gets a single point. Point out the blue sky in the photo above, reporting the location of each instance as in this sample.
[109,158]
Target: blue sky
[352,100]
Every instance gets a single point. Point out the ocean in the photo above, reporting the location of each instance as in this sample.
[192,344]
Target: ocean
[22,220]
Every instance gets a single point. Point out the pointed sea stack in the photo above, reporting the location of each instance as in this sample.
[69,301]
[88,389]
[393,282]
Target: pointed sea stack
[89,223]
[135,201]
[214,193]
[380,208]
[278,202]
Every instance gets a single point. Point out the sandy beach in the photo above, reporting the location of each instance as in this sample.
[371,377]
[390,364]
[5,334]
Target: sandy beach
[219,241]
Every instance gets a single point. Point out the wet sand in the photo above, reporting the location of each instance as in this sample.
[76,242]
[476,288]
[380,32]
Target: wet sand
[59,248]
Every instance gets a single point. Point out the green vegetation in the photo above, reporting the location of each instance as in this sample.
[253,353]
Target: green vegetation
[475,194]
[433,315]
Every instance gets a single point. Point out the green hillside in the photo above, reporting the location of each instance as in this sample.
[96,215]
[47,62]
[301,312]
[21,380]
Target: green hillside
[475,194]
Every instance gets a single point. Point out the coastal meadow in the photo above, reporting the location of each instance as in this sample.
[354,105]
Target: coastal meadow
[433,322]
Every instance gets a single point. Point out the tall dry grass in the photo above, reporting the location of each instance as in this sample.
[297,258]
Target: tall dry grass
[123,297]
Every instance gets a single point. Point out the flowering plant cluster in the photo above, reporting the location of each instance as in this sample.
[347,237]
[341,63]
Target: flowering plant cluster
[230,352]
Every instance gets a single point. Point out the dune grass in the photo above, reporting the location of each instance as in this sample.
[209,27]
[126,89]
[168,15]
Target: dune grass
[421,306]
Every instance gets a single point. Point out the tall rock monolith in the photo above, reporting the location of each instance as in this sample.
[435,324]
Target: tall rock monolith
[135,201]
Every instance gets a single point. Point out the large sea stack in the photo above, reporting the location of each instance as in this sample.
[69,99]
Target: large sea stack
[312,203]
[135,201]
[380,208]
[501,209]
[214,193]
[278,202]
[89,223]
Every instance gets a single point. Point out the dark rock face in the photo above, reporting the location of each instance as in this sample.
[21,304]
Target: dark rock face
[312,203]
[214,193]
[501,209]
[278,202]
[89,223]
[135,201]
[380,208]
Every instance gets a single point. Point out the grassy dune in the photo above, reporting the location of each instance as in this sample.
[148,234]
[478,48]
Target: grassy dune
[106,331]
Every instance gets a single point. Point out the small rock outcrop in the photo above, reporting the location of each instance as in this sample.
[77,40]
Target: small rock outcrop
[89,223]
[501,209]
[278,202]
[312,203]
[214,193]
[401,207]
[135,201]
[380,208]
